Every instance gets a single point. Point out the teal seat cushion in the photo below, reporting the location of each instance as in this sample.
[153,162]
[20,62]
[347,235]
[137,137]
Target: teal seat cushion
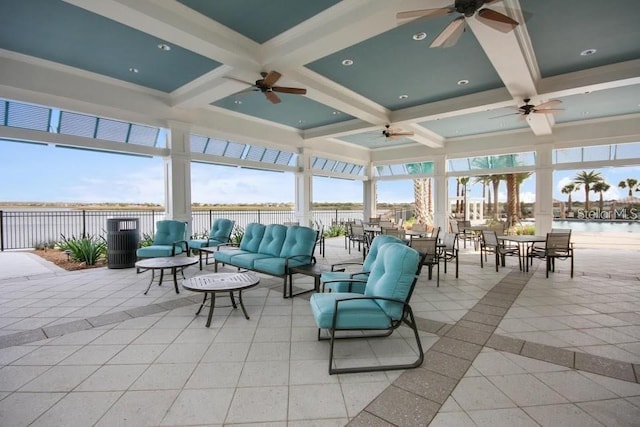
[246,260]
[342,286]
[156,251]
[203,243]
[355,314]
[221,230]
[299,241]
[225,255]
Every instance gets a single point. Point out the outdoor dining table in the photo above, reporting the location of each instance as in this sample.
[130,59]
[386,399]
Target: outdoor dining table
[524,242]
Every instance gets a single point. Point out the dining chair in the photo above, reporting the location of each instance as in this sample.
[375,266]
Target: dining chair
[428,247]
[489,244]
[449,250]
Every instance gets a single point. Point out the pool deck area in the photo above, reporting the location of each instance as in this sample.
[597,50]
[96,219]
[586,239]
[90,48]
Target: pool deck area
[501,349]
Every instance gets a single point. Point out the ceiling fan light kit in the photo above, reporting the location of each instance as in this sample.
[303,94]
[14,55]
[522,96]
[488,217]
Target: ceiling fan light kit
[468,8]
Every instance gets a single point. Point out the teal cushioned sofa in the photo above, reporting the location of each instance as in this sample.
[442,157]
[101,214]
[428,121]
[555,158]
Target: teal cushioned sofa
[271,249]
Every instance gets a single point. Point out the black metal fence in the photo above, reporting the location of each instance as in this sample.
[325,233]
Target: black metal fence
[30,229]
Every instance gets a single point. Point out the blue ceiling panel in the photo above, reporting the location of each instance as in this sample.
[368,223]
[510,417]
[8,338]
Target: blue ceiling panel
[296,111]
[392,64]
[256,19]
[561,30]
[602,103]
[498,120]
[59,32]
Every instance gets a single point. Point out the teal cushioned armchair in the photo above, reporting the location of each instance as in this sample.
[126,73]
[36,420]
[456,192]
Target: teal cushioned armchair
[220,234]
[383,306]
[168,240]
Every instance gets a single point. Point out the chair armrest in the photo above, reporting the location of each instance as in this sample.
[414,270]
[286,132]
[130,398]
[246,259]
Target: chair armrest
[229,244]
[369,297]
[341,264]
[350,281]
[183,244]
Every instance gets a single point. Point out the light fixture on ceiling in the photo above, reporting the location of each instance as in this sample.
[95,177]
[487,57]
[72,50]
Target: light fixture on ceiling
[165,47]
[134,70]
[237,101]
[419,36]
[588,52]
[403,97]
[463,82]
[335,113]
[300,121]
[347,62]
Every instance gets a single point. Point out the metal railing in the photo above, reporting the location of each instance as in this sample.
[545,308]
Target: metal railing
[29,229]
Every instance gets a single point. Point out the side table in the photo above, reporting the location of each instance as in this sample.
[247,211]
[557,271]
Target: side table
[221,282]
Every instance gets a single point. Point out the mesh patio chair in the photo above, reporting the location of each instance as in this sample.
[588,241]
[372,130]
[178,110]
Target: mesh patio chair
[557,246]
[489,244]
[428,248]
[449,251]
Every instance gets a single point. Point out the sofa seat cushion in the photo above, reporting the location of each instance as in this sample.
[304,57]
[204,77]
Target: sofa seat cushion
[272,240]
[247,260]
[358,314]
[225,255]
[156,251]
[357,288]
[203,243]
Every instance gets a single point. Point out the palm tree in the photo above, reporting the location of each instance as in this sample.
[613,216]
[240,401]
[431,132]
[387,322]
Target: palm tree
[495,180]
[631,184]
[601,187]
[512,201]
[463,182]
[485,180]
[587,179]
[520,178]
[568,189]
[422,193]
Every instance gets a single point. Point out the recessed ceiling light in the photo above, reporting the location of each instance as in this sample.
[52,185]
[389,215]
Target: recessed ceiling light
[463,82]
[300,121]
[419,36]
[134,70]
[588,52]
[347,62]
[164,47]
[585,113]
[237,101]
[403,96]
[335,113]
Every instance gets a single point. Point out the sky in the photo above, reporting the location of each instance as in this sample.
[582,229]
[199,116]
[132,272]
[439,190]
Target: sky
[37,173]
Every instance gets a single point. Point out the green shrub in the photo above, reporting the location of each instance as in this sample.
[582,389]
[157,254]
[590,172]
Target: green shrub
[529,230]
[147,240]
[237,234]
[86,249]
[336,230]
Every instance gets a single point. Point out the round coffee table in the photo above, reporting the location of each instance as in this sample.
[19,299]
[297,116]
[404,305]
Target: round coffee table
[175,263]
[221,282]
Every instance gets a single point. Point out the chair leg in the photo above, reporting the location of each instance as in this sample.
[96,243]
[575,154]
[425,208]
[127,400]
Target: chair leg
[481,264]
[497,260]
[456,266]
[438,275]
[572,266]
[548,265]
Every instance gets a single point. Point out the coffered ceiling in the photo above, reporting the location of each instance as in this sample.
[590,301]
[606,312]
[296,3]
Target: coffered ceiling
[167,62]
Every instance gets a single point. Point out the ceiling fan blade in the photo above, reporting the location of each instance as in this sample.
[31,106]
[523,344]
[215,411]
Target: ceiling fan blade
[548,104]
[423,13]
[450,35]
[402,134]
[271,96]
[271,78]
[293,90]
[238,80]
[547,110]
[497,20]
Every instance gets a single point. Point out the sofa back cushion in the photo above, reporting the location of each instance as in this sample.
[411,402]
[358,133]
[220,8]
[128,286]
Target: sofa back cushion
[392,276]
[221,230]
[299,241]
[169,231]
[252,237]
[272,240]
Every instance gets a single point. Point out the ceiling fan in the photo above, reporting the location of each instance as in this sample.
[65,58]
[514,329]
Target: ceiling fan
[393,133]
[544,108]
[450,35]
[266,86]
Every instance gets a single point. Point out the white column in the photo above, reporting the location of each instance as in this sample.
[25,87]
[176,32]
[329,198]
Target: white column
[369,195]
[441,194]
[544,189]
[177,174]
[304,189]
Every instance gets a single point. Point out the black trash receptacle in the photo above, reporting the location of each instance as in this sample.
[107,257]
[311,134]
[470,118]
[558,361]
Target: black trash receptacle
[123,237]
